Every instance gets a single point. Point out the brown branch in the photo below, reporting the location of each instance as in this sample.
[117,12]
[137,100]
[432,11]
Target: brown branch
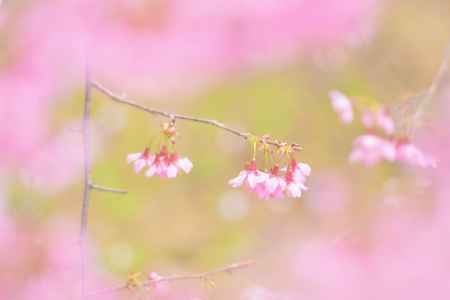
[122,99]
[107,189]
[133,282]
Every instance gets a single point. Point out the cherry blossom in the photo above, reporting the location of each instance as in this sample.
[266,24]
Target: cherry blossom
[370,149]
[168,165]
[294,186]
[140,159]
[273,187]
[412,155]
[342,105]
[300,170]
[250,177]
[379,118]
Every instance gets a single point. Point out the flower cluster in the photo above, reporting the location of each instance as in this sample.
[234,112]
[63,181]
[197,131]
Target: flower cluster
[379,142]
[276,183]
[164,163]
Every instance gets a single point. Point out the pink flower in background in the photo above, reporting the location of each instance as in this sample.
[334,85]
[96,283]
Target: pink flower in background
[181,44]
[379,118]
[141,159]
[56,163]
[330,194]
[342,106]
[410,154]
[45,264]
[250,177]
[370,149]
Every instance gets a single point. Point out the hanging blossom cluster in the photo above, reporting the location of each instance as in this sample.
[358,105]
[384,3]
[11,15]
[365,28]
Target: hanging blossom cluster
[274,182]
[379,142]
[163,163]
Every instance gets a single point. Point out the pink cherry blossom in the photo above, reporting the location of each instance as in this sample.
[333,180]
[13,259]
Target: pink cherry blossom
[167,165]
[370,149]
[294,186]
[342,105]
[140,159]
[412,155]
[250,177]
[300,170]
[273,187]
[176,164]
[379,118]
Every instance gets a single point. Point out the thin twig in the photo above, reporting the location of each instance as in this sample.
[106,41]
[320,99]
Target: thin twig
[152,281]
[431,91]
[87,176]
[204,275]
[107,189]
[172,116]
[443,68]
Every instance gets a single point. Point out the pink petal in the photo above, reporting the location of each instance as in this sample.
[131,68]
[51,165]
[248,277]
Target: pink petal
[161,170]
[185,164]
[346,117]
[139,164]
[261,176]
[304,168]
[252,180]
[272,184]
[294,190]
[133,157]
[368,119]
[389,151]
[151,171]
[342,105]
[385,122]
[151,159]
[172,171]
[238,180]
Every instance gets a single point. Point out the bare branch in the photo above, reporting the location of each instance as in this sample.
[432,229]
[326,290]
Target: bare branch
[443,69]
[408,114]
[435,84]
[87,176]
[107,189]
[172,116]
[133,282]
[205,275]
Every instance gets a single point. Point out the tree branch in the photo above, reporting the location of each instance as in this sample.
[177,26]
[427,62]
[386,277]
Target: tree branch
[205,275]
[122,99]
[429,93]
[443,69]
[87,175]
[107,189]
[134,282]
